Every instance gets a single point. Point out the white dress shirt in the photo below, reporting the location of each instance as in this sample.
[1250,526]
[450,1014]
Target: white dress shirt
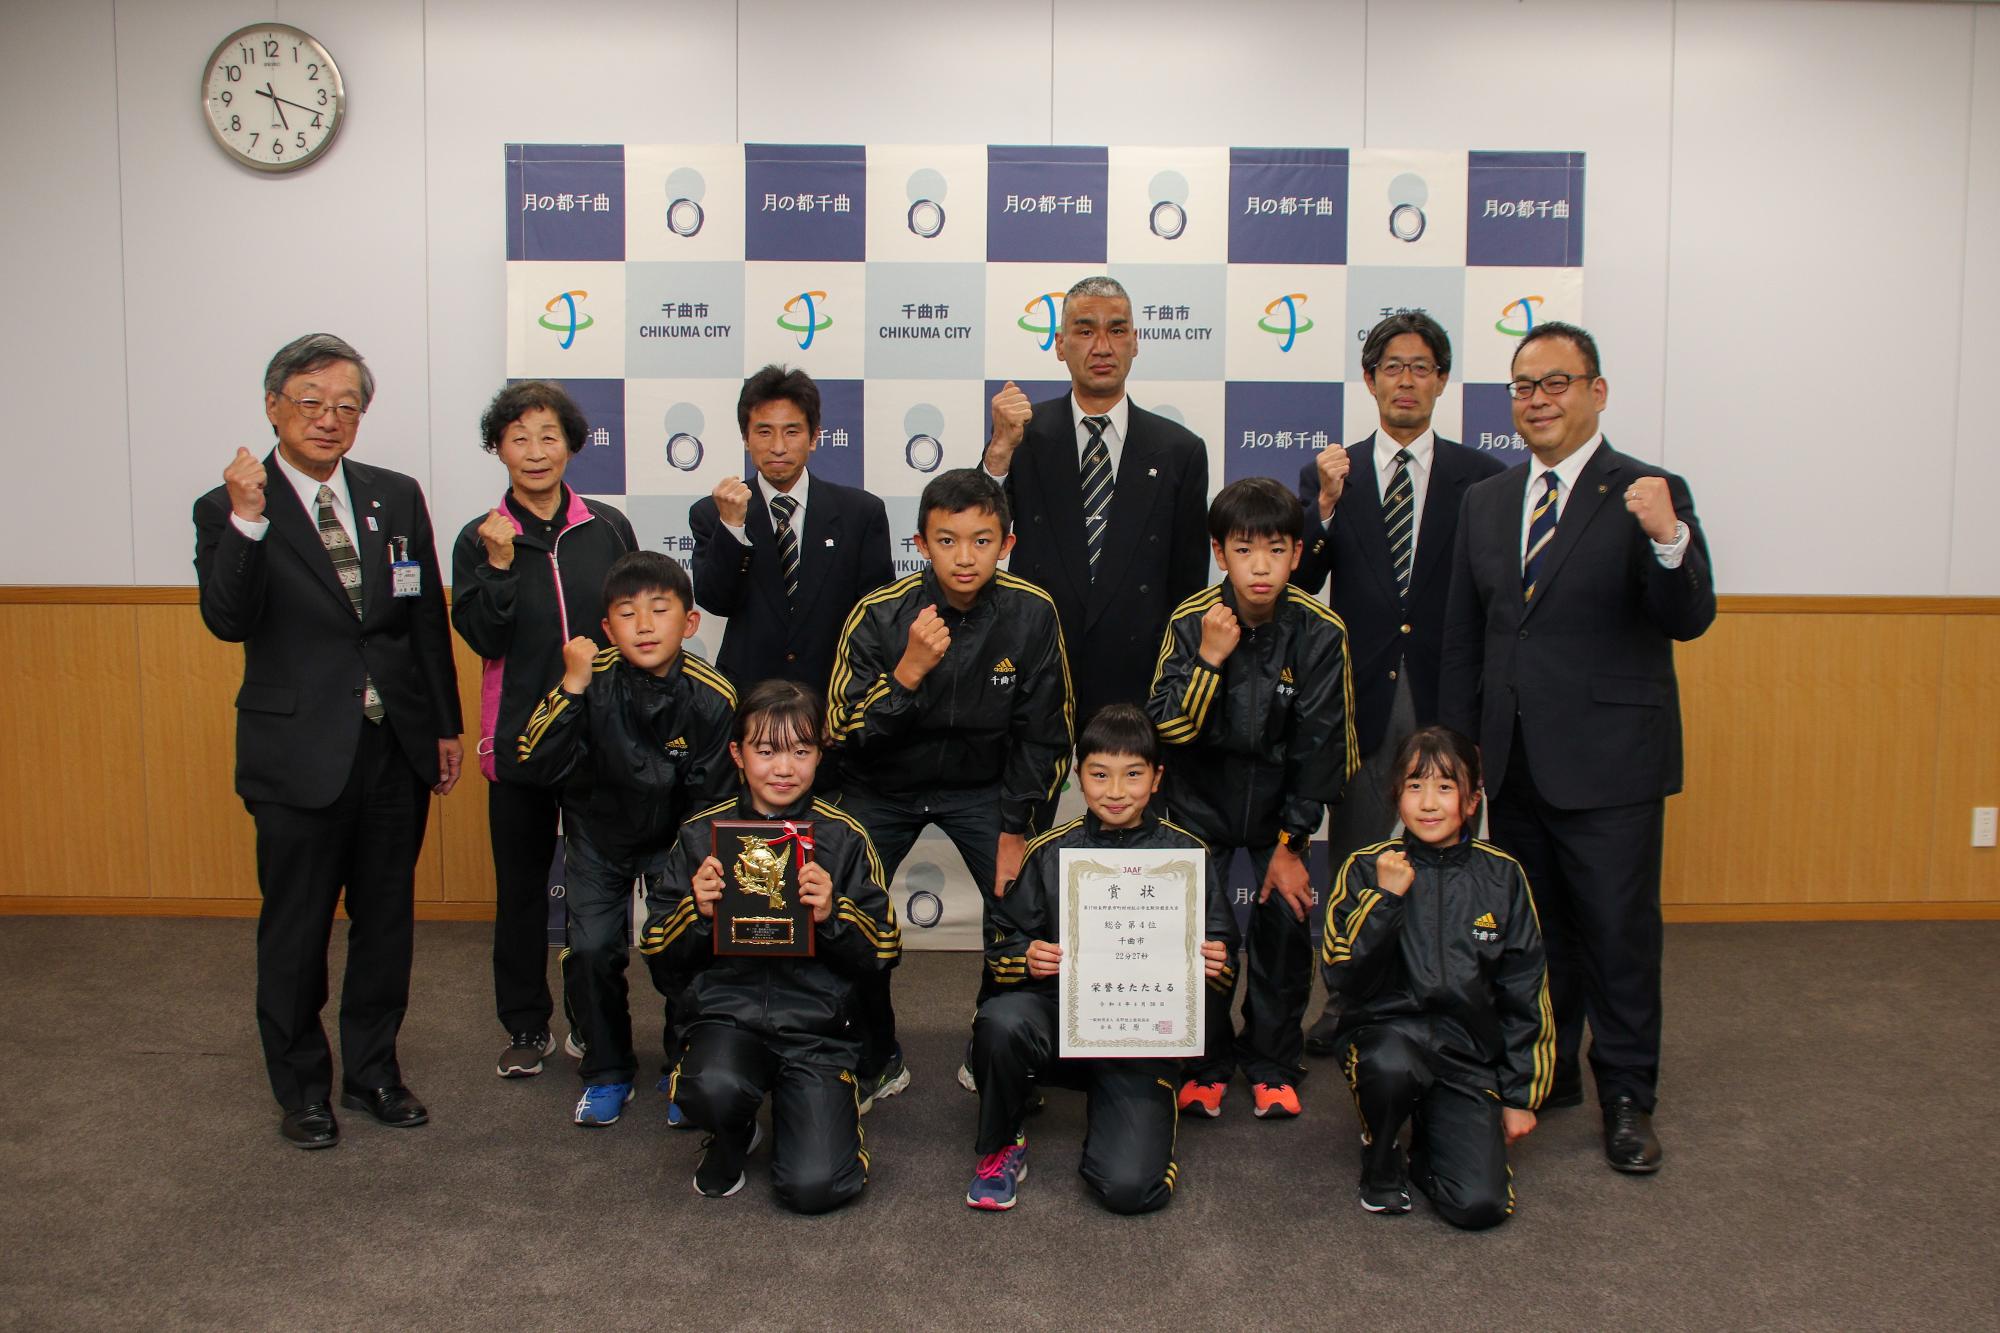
[798,521]
[1566,473]
[308,489]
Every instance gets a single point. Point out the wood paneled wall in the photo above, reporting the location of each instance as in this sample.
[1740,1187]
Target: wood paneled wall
[1835,749]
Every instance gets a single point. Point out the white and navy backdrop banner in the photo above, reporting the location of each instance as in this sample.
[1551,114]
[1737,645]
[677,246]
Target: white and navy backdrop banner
[911,282]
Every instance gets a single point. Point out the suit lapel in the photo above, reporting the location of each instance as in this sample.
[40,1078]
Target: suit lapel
[1133,491]
[1434,534]
[1060,475]
[291,521]
[763,535]
[1364,494]
[818,544]
[1592,485]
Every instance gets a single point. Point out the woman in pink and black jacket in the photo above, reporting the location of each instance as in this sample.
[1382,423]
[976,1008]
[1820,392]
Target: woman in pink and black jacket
[528,576]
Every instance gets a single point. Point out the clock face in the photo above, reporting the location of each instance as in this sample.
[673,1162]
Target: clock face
[272,97]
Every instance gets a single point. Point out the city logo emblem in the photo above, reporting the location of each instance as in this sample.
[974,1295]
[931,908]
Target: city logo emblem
[685,188]
[1288,325]
[924,449]
[1408,194]
[926,216]
[1527,305]
[1169,216]
[570,321]
[684,424]
[1047,306]
[803,317]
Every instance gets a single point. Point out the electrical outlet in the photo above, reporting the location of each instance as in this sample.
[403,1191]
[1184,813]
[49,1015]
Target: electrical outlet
[1985,824]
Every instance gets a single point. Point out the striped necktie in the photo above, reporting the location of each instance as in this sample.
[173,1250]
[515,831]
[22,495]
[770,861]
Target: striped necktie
[782,509]
[347,565]
[1096,490]
[1399,512]
[1541,530]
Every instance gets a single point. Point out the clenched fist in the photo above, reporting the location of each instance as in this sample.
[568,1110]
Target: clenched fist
[1219,635]
[1011,410]
[498,536]
[928,641]
[1394,873]
[245,479]
[578,654]
[816,891]
[1648,501]
[1333,464]
[732,501]
[707,886]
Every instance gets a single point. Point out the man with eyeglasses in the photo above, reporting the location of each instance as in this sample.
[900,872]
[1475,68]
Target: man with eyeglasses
[1380,516]
[347,721]
[1574,574]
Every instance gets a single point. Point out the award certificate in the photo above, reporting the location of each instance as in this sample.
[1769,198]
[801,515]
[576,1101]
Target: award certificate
[1132,923]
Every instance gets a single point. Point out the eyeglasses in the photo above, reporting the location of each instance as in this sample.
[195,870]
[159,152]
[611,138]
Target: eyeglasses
[1555,386]
[1421,370]
[313,409]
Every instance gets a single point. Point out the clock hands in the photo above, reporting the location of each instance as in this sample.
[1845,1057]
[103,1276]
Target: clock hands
[276,103]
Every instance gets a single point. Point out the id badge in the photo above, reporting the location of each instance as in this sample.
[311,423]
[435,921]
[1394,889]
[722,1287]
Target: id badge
[406,576]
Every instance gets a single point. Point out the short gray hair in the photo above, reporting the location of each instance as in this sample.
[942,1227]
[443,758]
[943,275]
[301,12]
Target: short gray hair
[315,351]
[1098,286]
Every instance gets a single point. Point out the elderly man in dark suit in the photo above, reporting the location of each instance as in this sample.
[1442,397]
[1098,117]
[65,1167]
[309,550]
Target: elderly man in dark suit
[785,560]
[347,721]
[1380,517]
[1110,501]
[1573,576]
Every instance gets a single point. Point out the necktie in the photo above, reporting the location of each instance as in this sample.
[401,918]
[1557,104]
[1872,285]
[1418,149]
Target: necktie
[1399,512]
[347,565]
[782,509]
[1096,490]
[1541,530]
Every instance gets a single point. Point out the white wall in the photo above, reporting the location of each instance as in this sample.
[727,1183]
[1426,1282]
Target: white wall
[1793,244]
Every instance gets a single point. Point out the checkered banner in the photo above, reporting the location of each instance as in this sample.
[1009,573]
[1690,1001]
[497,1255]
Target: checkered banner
[911,282]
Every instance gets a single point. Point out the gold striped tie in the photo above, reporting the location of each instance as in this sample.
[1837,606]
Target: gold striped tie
[1541,531]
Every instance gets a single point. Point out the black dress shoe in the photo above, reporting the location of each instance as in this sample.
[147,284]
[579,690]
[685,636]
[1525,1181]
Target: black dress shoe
[1629,1142]
[396,1107]
[311,1126]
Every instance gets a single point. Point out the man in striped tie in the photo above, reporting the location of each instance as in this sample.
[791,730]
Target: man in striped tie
[1573,576]
[1380,518]
[347,721]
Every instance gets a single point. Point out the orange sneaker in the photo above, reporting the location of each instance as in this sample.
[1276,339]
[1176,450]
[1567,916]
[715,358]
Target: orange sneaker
[1274,1101]
[1204,1098]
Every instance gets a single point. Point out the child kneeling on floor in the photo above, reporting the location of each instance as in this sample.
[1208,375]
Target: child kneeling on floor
[782,1026]
[1434,949]
[1128,1139]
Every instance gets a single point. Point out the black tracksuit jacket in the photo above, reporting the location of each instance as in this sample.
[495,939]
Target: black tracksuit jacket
[791,998]
[997,709]
[1455,963]
[634,752]
[1279,746]
[1032,909]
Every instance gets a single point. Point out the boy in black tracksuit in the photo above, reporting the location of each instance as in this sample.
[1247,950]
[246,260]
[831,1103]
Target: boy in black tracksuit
[1128,1143]
[1253,686]
[1434,950]
[951,703]
[636,736]
[779,1025]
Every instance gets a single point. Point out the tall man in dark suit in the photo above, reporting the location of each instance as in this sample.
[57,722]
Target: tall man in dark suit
[1110,501]
[785,563]
[347,721]
[1572,576]
[1380,516]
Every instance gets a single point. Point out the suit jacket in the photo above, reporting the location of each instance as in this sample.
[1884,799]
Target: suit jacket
[305,654]
[843,553]
[1155,546]
[1382,637]
[1589,667]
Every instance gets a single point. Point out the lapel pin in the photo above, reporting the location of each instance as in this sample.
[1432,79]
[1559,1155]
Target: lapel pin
[1152,472]
[375,504]
[829,541]
[1602,488]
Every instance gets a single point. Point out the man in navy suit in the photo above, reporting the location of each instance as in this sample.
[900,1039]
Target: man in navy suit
[1573,575]
[786,561]
[1110,501]
[1380,516]
[348,719]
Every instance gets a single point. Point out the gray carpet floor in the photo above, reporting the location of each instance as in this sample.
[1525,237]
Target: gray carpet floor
[1828,1113]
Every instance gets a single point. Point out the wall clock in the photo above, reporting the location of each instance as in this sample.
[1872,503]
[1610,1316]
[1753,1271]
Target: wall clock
[272,97]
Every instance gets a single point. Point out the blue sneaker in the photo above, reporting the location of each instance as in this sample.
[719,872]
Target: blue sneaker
[602,1103]
[676,1118]
[999,1174]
